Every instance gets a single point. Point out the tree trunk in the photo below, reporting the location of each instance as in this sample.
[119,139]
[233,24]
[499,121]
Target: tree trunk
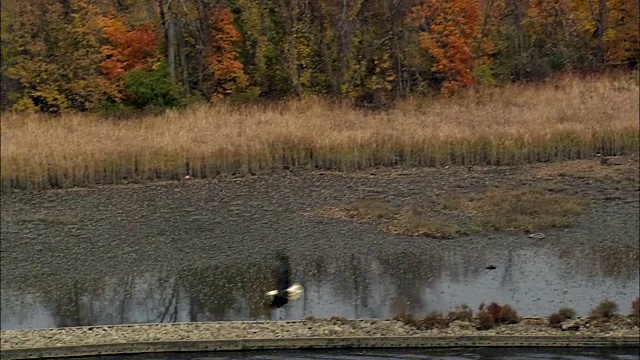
[171,41]
[201,35]
[343,47]
[602,26]
[181,51]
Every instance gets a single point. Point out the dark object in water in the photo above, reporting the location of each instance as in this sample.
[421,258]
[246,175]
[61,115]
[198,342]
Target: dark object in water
[491,267]
[285,291]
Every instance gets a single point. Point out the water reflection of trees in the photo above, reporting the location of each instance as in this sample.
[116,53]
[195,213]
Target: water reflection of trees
[618,262]
[353,284]
[227,291]
[70,301]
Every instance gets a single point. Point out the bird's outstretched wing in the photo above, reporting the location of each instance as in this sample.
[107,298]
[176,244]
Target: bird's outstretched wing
[282,274]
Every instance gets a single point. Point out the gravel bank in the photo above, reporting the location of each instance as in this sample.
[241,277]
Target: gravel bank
[223,330]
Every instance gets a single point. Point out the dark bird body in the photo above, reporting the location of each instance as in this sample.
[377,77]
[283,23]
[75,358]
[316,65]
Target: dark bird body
[285,291]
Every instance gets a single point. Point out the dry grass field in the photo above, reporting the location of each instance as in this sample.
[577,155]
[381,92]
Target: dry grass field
[564,118]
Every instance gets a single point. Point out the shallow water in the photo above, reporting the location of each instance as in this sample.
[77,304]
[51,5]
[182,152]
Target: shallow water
[205,252]
[534,280]
[401,354]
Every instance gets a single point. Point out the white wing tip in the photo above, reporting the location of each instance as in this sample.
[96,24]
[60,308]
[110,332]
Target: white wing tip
[295,291]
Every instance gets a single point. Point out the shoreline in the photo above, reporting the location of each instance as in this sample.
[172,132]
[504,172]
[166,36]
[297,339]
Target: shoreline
[304,334]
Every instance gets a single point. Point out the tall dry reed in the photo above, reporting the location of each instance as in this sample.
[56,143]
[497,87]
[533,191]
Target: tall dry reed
[566,118]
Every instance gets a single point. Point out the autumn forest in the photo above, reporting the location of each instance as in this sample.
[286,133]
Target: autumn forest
[122,91]
[60,55]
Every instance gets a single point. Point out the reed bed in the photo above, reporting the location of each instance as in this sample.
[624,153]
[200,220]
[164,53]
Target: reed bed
[567,118]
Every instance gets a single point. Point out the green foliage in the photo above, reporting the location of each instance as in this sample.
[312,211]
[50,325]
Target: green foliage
[483,74]
[151,88]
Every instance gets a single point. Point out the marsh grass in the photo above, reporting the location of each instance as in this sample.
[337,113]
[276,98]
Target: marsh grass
[567,118]
[528,209]
[588,169]
[525,209]
[373,209]
[418,222]
[47,220]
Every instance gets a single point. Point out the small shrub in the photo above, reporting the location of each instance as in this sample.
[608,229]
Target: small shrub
[433,320]
[605,310]
[556,319]
[151,88]
[462,312]
[508,315]
[561,316]
[568,313]
[338,319]
[486,320]
[407,319]
[495,310]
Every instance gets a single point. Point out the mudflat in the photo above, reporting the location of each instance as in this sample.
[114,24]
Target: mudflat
[205,234]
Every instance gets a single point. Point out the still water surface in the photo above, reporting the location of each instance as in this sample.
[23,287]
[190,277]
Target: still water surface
[536,280]
[205,251]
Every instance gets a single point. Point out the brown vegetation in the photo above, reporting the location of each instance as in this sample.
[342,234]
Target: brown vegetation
[570,118]
[635,315]
[564,314]
[487,317]
[604,311]
[495,314]
[556,319]
[526,210]
[486,320]
[417,222]
[568,313]
[432,320]
[587,168]
[461,312]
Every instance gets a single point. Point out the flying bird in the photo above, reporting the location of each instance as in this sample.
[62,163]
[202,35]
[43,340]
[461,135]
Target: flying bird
[285,291]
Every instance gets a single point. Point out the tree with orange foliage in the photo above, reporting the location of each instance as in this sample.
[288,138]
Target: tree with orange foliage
[127,48]
[448,28]
[222,60]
